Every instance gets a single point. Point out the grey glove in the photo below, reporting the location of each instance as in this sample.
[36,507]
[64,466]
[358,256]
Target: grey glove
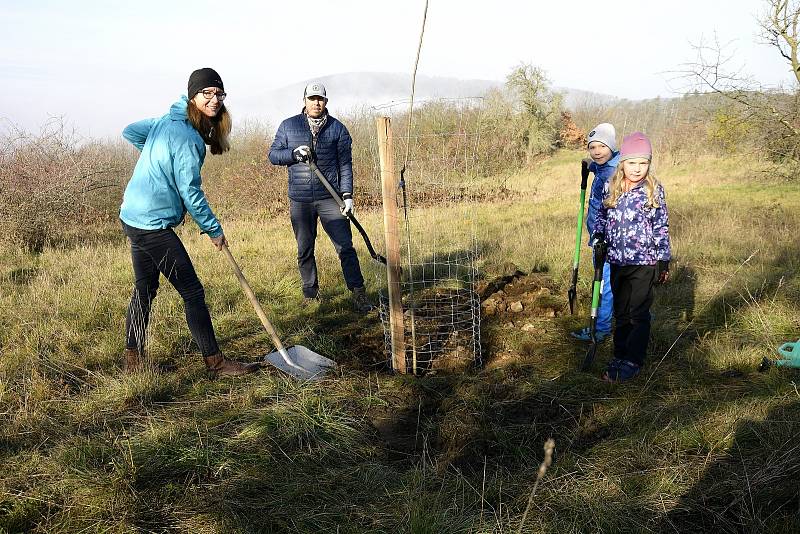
[347,209]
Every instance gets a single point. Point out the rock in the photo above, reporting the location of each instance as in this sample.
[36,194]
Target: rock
[508,325]
[489,307]
[544,291]
[529,327]
[516,307]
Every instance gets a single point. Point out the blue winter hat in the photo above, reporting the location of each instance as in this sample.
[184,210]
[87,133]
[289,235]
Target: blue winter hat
[604,133]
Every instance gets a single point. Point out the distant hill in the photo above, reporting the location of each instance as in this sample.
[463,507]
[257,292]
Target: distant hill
[352,90]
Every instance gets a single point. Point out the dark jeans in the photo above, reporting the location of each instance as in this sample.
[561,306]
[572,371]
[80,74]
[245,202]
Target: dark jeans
[304,222]
[156,252]
[632,286]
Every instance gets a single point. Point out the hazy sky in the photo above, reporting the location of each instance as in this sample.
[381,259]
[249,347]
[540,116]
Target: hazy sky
[103,64]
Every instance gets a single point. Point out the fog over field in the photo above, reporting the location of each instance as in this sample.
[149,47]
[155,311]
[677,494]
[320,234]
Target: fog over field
[388,92]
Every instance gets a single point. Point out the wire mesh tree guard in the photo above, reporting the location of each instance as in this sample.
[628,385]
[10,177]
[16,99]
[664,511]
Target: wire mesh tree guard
[438,248]
[441,311]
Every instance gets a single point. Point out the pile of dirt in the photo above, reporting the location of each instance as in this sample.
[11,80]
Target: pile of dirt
[444,319]
[518,299]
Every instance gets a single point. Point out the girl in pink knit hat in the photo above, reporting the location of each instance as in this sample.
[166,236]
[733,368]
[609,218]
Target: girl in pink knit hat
[635,225]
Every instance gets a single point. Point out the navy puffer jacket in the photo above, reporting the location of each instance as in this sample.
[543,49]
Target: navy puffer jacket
[333,152]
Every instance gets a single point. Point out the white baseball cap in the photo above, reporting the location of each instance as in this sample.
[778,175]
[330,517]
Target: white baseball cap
[314,89]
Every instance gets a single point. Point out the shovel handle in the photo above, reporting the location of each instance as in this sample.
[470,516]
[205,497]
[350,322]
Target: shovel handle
[253,300]
[326,183]
[339,202]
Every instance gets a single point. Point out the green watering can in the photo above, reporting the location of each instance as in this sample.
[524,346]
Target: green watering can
[790,357]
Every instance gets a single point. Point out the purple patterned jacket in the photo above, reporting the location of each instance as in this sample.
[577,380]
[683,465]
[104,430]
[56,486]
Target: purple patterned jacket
[636,234]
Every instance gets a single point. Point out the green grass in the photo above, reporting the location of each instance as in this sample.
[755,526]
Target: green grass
[700,442]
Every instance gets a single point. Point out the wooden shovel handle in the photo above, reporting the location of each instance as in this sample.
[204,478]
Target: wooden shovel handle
[252,297]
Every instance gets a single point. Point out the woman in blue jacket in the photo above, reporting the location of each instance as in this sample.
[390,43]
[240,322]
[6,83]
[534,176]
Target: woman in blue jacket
[165,185]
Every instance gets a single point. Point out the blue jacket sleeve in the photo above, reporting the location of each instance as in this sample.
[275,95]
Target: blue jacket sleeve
[661,228]
[186,168]
[137,132]
[595,200]
[345,156]
[280,153]
[601,216]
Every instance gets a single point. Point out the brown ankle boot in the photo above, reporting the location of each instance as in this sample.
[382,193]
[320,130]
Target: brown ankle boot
[217,364]
[131,360]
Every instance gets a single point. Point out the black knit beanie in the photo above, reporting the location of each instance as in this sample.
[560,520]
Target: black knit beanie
[202,78]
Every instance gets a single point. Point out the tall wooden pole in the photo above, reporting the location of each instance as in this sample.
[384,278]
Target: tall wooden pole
[391,232]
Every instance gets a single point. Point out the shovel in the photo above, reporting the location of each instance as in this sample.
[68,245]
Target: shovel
[297,360]
[597,288]
[576,257]
[375,256]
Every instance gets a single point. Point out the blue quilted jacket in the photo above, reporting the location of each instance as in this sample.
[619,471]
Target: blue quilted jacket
[333,153]
[602,174]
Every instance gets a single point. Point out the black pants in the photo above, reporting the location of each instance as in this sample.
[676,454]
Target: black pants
[156,252]
[304,222]
[632,286]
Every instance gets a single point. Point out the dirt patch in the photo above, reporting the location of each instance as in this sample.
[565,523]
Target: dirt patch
[517,299]
[364,341]
[440,327]
[442,337]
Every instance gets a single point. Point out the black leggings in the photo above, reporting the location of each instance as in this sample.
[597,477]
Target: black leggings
[156,252]
[632,286]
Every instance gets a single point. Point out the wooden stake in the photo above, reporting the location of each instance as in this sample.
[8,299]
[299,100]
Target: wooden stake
[391,232]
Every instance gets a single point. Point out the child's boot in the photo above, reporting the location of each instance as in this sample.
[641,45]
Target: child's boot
[621,371]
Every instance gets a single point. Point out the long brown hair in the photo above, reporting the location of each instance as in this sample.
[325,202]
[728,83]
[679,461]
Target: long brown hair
[214,130]
[617,187]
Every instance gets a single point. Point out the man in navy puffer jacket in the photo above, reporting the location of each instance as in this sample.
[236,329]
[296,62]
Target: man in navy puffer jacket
[315,135]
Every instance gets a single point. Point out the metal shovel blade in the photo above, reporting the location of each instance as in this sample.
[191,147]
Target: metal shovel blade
[308,365]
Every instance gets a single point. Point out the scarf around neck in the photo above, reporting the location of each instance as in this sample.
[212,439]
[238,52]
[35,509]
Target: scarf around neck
[316,124]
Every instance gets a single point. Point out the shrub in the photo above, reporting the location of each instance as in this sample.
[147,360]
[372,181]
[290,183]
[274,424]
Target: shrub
[52,183]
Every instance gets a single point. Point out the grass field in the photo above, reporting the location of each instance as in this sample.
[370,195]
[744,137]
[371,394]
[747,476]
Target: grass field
[699,442]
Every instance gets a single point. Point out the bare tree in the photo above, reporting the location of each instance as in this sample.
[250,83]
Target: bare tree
[779,29]
[771,114]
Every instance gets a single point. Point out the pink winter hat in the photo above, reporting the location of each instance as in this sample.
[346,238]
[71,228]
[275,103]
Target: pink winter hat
[635,145]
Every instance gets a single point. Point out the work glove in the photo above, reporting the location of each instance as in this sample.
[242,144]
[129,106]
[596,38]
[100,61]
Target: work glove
[597,238]
[347,209]
[662,272]
[303,154]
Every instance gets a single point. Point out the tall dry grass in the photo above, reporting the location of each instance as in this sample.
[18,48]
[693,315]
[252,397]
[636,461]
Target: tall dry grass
[704,443]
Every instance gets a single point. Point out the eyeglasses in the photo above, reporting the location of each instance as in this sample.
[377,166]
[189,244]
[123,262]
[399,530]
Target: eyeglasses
[208,94]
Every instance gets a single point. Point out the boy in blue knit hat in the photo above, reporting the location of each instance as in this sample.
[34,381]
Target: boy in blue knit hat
[602,146]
